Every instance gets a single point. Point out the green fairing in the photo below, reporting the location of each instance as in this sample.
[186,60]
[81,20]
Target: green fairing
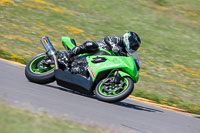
[126,64]
[68,42]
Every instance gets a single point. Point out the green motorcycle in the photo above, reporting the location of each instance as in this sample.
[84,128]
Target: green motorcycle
[111,78]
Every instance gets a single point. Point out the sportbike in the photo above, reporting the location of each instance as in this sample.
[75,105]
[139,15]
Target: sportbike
[111,78]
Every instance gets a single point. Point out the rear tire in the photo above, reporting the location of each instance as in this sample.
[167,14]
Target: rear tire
[38,77]
[114,98]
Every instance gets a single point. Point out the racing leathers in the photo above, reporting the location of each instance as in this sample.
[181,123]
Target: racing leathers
[114,44]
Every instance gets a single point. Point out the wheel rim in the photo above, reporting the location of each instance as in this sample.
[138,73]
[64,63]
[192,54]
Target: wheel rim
[112,88]
[34,68]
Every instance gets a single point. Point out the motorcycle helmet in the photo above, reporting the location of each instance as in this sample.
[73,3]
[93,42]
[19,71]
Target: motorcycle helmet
[131,41]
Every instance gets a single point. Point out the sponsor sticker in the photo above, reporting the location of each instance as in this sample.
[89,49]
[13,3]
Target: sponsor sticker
[92,71]
[45,41]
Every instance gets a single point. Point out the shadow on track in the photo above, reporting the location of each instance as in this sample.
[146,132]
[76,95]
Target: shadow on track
[137,107]
[197,117]
[71,91]
[122,103]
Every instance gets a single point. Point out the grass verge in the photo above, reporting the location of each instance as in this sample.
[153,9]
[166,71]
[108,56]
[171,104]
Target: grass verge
[22,121]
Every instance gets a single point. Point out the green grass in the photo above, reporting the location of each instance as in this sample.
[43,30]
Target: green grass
[22,121]
[170,50]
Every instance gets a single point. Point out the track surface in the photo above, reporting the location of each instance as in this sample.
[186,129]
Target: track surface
[126,116]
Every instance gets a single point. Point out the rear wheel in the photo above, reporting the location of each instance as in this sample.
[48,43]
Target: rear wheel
[38,72]
[112,92]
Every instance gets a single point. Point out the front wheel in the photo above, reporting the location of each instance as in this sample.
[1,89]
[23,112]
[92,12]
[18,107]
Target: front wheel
[112,92]
[38,72]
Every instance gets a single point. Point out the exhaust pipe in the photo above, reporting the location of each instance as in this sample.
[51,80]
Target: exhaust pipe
[51,51]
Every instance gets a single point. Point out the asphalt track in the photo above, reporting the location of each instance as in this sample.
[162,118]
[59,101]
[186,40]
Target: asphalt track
[126,116]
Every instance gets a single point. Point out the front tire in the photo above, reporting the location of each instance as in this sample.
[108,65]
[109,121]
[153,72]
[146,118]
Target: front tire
[37,75]
[111,97]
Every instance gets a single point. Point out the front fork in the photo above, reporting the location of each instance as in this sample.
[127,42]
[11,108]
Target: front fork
[50,49]
[116,79]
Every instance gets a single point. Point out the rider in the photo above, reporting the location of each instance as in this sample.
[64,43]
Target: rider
[118,45]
